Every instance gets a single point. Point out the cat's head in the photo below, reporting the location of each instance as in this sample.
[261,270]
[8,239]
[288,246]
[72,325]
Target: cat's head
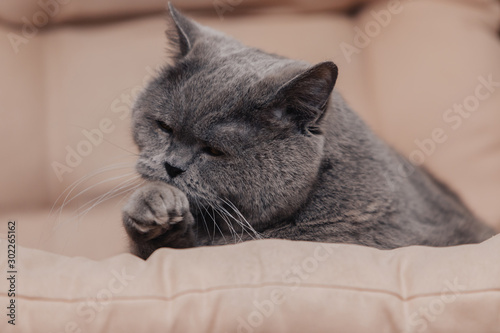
[225,122]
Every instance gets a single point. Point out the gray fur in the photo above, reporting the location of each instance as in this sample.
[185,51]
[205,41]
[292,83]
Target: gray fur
[297,163]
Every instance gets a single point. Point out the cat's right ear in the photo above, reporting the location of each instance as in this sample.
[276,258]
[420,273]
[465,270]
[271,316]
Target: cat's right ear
[181,33]
[305,97]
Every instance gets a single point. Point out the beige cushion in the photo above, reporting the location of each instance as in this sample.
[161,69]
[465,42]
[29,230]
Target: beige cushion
[74,78]
[260,286]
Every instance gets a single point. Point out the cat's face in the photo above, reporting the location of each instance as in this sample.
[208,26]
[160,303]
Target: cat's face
[226,123]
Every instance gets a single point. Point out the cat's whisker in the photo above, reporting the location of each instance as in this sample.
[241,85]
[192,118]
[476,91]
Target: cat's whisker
[124,190]
[197,228]
[243,226]
[229,224]
[77,182]
[125,186]
[79,216]
[217,225]
[87,189]
[242,217]
[233,232]
[243,221]
[204,220]
[218,228]
[112,192]
[82,179]
[56,224]
[212,215]
[247,225]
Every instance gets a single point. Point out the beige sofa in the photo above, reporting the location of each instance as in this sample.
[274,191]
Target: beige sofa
[424,74]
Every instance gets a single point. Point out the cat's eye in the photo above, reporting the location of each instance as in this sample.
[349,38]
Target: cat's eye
[212,151]
[164,127]
[315,130]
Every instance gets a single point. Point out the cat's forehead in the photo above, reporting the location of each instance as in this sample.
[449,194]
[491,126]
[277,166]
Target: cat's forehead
[227,83]
[208,93]
[218,86]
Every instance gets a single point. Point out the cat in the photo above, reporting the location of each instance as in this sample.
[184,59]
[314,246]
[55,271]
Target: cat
[237,144]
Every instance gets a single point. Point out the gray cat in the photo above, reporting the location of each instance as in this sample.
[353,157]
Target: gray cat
[238,144]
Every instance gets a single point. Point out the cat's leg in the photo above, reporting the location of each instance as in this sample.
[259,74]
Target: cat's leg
[157,215]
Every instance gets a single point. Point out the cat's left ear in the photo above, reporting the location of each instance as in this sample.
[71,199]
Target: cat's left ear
[306,96]
[181,32]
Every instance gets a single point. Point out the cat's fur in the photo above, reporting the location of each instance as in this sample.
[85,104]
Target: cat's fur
[238,144]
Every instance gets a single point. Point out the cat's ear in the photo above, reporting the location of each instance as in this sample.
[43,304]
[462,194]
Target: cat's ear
[181,33]
[306,96]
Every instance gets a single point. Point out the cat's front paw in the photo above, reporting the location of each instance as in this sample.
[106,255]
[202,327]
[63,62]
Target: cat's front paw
[158,215]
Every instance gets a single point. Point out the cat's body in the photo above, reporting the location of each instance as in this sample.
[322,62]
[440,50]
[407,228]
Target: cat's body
[238,144]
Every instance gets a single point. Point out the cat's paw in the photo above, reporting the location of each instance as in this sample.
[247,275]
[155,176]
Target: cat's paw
[155,210]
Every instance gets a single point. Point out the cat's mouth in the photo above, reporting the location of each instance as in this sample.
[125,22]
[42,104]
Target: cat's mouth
[194,195]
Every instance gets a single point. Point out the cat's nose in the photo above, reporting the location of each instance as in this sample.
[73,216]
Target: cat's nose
[172,170]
